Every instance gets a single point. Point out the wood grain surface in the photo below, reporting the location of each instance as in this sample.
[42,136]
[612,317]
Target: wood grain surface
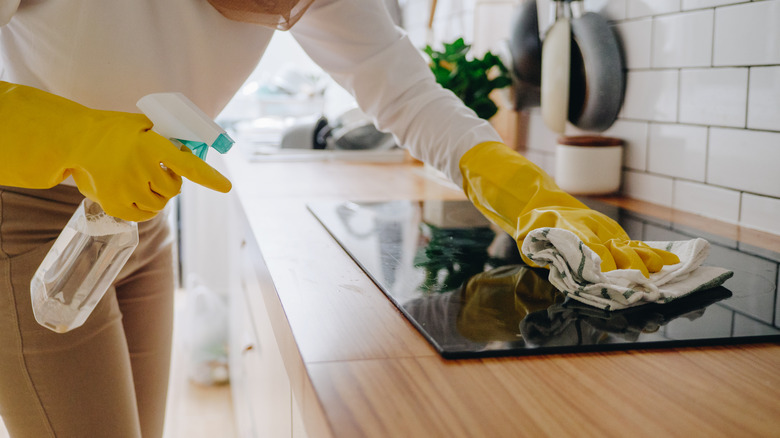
[362,370]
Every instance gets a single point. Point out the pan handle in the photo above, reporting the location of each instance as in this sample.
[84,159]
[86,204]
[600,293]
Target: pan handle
[577,8]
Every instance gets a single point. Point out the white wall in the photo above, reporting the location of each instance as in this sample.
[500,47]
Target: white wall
[701,116]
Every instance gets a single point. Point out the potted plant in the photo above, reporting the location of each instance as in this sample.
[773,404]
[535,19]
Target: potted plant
[471,79]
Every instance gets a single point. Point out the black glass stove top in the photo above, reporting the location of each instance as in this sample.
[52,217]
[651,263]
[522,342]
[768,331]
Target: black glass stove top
[460,281]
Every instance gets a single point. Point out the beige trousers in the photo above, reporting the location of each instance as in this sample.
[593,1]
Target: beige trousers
[107,378]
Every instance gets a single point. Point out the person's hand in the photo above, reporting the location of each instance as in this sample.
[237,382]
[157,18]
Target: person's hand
[130,170]
[520,197]
[114,157]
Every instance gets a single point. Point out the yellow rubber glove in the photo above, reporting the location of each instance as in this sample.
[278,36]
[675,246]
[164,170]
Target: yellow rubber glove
[520,197]
[114,157]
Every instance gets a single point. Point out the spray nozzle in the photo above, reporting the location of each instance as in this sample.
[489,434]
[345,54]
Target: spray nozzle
[175,117]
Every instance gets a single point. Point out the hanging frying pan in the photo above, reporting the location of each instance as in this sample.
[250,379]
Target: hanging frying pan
[526,48]
[597,81]
[556,61]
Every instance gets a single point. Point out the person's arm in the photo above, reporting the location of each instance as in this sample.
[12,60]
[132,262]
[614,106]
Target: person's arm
[114,157]
[356,42]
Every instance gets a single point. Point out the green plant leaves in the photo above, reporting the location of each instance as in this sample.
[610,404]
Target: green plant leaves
[471,79]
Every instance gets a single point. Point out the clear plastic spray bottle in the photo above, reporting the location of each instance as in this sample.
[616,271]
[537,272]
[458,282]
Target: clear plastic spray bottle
[94,246]
[80,267]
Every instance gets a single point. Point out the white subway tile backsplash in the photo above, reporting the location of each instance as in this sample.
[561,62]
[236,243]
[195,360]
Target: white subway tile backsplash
[714,96]
[492,24]
[764,98]
[636,38]
[683,40]
[539,138]
[646,187]
[634,134]
[651,95]
[644,8]
[745,160]
[611,9]
[760,212]
[677,150]
[714,202]
[699,4]
[747,34]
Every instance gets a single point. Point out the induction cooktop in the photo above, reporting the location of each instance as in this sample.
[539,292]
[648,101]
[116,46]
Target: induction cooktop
[461,282]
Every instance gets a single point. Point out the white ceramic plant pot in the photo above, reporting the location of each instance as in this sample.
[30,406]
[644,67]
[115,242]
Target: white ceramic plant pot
[588,165]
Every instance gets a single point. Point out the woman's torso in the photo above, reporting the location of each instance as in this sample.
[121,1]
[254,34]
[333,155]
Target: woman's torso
[106,54]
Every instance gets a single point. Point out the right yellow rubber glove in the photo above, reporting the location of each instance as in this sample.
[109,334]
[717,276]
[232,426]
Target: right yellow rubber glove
[520,197]
[114,157]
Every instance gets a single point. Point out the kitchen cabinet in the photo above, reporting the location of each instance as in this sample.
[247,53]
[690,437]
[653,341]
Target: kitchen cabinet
[263,401]
[322,346]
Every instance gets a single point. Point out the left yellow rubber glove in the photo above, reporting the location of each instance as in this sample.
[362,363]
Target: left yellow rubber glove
[114,157]
[520,197]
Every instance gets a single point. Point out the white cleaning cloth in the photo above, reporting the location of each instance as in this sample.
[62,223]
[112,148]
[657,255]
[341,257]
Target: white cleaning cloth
[575,271]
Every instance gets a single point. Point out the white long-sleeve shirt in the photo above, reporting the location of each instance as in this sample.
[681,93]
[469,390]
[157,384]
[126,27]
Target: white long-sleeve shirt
[106,54]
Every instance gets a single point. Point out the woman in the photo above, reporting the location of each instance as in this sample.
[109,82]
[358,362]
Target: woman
[72,71]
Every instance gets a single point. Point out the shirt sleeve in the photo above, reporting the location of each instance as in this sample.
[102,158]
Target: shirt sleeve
[7,10]
[357,43]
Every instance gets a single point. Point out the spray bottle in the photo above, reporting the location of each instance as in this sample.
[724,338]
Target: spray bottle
[93,247]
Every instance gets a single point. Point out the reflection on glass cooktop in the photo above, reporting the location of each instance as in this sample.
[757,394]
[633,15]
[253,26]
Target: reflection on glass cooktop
[462,284]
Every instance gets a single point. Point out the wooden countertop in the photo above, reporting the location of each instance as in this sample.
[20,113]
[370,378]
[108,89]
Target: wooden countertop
[359,369]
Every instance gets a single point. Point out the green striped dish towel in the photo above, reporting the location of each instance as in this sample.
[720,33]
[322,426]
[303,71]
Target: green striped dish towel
[575,270]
